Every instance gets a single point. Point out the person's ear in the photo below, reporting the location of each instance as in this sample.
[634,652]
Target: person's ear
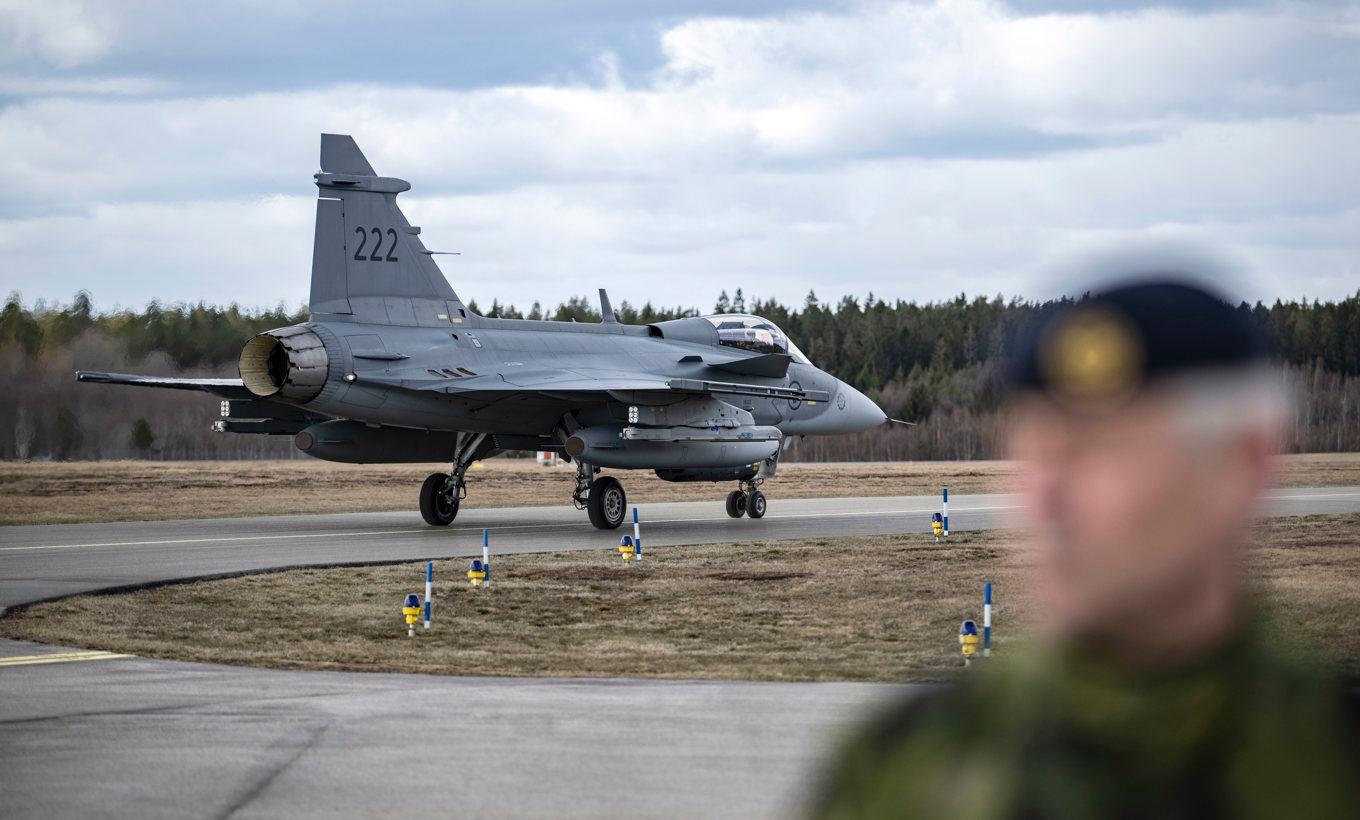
[1259,447]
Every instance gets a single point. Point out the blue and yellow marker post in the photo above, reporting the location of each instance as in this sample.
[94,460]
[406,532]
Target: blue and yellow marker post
[479,572]
[937,525]
[968,641]
[476,573]
[630,546]
[411,609]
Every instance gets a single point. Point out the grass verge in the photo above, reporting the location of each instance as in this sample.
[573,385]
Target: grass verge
[93,491]
[817,609]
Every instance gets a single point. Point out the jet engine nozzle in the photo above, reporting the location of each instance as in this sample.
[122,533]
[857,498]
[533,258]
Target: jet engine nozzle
[288,364]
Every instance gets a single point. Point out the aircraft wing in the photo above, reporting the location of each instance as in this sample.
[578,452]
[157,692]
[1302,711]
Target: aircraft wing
[226,388]
[583,383]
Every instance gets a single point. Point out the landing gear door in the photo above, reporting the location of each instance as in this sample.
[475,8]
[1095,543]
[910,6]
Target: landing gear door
[770,465]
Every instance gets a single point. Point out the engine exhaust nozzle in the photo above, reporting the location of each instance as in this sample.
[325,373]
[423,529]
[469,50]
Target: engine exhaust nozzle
[288,364]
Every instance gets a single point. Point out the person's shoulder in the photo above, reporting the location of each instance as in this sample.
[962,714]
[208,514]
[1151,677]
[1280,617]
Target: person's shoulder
[874,764]
[908,752]
[1304,693]
[1281,674]
[938,720]
[928,708]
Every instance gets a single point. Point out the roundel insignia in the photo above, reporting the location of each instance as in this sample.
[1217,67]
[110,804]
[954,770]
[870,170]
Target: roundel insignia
[1092,354]
[794,404]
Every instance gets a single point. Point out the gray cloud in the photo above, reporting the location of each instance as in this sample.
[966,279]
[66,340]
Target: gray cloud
[912,150]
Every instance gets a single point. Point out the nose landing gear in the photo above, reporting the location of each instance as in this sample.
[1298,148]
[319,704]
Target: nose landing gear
[736,504]
[755,504]
[748,500]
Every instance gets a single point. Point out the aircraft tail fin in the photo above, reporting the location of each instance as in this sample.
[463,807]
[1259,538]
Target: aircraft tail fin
[340,154]
[368,263]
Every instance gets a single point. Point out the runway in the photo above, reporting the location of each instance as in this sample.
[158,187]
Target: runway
[43,562]
[89,733]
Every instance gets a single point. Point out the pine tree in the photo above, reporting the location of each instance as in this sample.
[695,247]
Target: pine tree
[937,363]
[141,437]
[67,435]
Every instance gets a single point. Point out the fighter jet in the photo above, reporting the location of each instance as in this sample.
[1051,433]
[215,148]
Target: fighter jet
[392,367]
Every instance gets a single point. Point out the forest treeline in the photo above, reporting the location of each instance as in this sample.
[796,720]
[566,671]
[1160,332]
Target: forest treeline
[937,364]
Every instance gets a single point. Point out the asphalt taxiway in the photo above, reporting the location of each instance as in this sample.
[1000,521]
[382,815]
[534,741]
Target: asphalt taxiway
[90,733]
[42,562]
[132,736]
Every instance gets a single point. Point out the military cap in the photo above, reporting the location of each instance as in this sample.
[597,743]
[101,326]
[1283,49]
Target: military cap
[1109,345]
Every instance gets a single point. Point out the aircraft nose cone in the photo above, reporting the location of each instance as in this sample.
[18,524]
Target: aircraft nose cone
[860,410]
[851,411]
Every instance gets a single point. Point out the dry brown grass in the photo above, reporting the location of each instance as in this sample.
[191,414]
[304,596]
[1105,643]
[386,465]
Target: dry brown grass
[1306,568]
[73,492]
[821,609]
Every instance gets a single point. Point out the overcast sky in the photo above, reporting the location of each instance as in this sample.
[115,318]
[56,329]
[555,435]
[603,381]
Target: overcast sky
[669,150]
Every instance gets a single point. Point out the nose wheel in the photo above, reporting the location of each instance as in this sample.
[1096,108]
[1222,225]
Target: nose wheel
[755,504]
[736,503]
[749,502]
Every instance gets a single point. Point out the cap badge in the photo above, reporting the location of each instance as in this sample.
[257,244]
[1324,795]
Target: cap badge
[1092,354]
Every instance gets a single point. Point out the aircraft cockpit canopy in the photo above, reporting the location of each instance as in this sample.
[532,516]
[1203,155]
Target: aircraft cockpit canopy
[754,334]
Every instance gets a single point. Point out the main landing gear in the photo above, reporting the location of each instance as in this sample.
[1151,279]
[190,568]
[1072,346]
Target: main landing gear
[441,493]
[601,497]
[748,500]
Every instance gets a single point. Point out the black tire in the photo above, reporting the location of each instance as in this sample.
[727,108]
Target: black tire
[607,503]
[437,506]
[755,504]
[736,503]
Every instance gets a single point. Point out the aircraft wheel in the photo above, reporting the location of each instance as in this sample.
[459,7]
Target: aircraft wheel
[736,503]
[437,506]
[755,504]
[606,503]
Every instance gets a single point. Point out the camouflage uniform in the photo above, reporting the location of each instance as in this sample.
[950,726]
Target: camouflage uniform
[1239,732]
[1243,733]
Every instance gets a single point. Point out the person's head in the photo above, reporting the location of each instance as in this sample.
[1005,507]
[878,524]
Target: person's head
[1146,424]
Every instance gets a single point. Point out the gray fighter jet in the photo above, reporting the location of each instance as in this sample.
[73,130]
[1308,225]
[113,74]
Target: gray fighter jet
[393,368]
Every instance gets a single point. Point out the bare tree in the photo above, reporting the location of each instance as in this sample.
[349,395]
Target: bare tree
[24,433]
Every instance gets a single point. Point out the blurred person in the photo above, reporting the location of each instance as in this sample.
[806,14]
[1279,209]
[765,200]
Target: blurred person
[1147,425]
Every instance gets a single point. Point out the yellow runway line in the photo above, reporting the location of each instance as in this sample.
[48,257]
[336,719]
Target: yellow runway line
[58,657]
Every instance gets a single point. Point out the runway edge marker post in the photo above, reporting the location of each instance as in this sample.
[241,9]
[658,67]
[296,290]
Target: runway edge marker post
[637,537]
[987,620]
[945,510]
[429,590]
[486,557]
